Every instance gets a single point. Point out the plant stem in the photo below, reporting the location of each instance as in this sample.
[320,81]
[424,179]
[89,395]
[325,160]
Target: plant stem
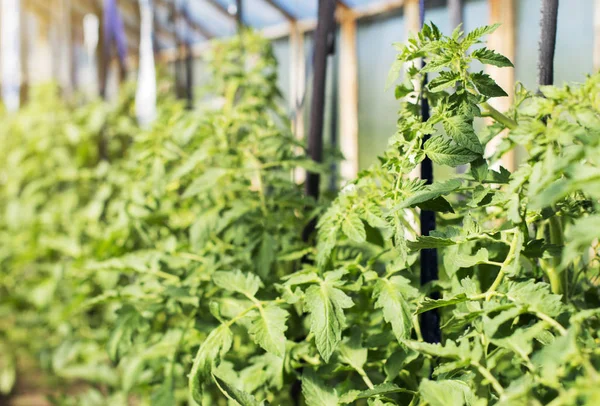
[488,375]
[511,253]
[556,238]
[417,327]
[365,377]
[552,322]
[499,117]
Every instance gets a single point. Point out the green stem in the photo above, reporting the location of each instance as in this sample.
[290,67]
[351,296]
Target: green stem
[552,322]
[365,377]
[499,117]
[488,375]
[511,254]
[556,238]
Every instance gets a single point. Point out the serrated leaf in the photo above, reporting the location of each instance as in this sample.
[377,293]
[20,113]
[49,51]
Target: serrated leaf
[205,182]
[429,304]
[352,351]
[353,228]
[446,393]
[325,304]
[268,328]
[536,297]
[467,261]
[486,85]
[430,192]
[443,81]
[392,301]
[443,152]
[381,389]
[212,349]
[237,281]
[460,129]
[374,216]
[425,242]
[315,392]
[473,36]
[490,57]
[266,255]
[241,397]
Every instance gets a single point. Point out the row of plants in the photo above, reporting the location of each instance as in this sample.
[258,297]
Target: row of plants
[168,266]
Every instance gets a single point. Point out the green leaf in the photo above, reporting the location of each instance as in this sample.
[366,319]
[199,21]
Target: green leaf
[460,129]
[266,255]
[241,397]
[486,85]
[268,328]
[403,91]
[443,81]
[467,261]
[326,303]
[429,304]
[425,242]
[443,152]
[353,227]
[381,389]
[237,281]
[490,57]
[212,349]
[535,297]
[205,182]
[446,393]
[430,193]
[391,299]
[473,36]
[121,336]
[352,351]
[315,392]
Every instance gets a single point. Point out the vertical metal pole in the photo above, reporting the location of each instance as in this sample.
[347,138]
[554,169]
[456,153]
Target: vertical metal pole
[322,34]
[189,63]
[455,11]
[548,23]
[430,321]
[239,15]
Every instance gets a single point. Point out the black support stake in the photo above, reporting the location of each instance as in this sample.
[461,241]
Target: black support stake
[430,321]
[189,64]
[323,40]
[239,15]
[548,22]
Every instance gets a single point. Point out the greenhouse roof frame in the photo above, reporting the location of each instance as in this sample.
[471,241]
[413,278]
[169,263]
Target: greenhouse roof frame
[199,21]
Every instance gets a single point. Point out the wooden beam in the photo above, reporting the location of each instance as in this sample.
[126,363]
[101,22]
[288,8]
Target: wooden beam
[310,24]
[348,94]
[302,26]
[220,8]
[503,41]
[297,88]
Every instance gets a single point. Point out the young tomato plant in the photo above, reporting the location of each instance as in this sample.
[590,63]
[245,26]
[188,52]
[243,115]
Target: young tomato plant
[519,294]
[171,268]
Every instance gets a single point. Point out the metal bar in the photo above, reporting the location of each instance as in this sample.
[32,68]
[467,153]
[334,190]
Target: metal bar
[325,28]
[430,321]
[548,23]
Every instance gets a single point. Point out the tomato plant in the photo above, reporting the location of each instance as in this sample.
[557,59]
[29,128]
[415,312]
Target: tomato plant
[175,272]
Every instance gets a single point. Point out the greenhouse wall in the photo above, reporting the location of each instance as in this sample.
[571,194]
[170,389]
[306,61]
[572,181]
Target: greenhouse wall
[378,108]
